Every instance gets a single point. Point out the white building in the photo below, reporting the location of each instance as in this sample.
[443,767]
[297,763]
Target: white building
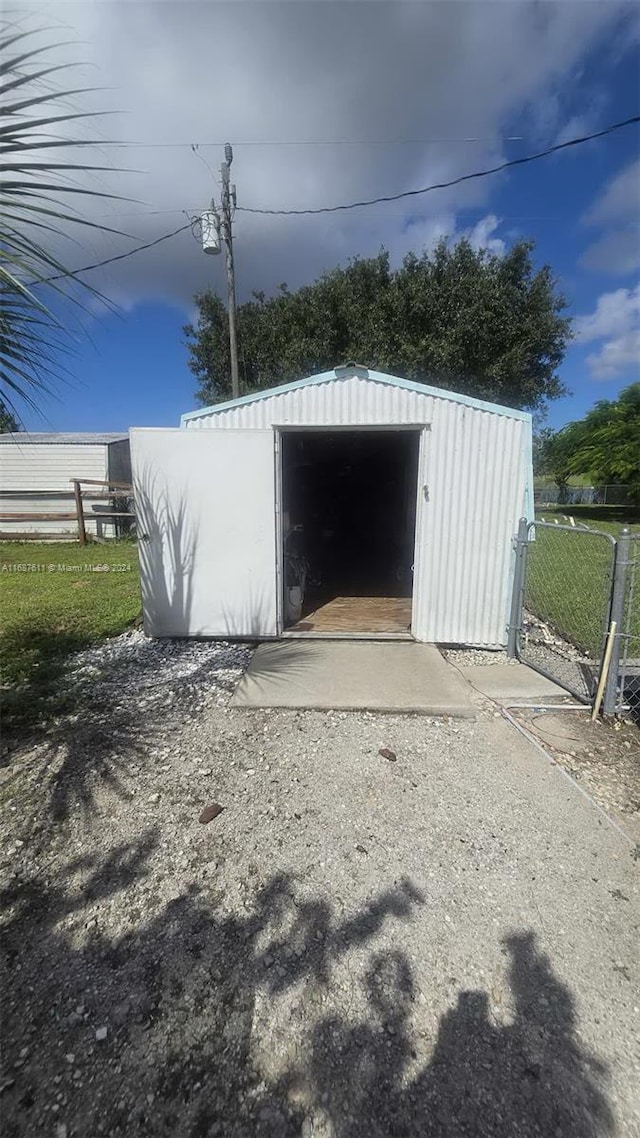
[351,503]
[37,470]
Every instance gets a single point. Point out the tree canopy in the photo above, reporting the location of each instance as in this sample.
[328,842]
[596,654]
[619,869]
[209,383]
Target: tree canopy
[465,319]
[605,445]
[8,422]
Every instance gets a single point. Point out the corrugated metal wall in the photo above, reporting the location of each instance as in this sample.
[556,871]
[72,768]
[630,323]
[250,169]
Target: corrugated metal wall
[475,471]
[36,466]
[35,478]
[477,463]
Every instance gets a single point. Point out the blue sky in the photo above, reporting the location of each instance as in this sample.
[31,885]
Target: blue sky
[581,207]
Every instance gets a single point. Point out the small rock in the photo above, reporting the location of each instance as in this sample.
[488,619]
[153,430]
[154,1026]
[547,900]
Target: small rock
[154,798]
[210,812]
[386,753]
[70,1058]
[101,1034]
[61,1130]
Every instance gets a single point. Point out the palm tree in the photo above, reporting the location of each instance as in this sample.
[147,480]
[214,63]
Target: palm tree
[39,182]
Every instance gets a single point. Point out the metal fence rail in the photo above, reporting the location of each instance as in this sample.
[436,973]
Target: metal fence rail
[564,579]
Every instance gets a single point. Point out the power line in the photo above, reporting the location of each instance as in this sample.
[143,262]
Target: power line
[453,182]
[356,205]
[321,142]
[120,256]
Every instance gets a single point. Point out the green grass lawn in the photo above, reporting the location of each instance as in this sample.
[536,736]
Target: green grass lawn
[56,599]
[568,579]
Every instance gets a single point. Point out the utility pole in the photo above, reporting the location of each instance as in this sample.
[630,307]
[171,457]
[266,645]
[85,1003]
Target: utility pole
[229,200]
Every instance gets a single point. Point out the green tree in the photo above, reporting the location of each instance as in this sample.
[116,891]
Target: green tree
[8,423]
[459,318]
[605,445]
[37,126]
[552,452]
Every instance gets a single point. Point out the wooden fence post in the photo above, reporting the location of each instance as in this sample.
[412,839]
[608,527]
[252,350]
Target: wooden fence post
[82,533]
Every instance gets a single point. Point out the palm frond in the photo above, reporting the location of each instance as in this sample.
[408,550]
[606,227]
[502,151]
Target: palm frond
[36,194]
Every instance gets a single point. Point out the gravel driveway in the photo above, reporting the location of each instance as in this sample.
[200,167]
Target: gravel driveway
[446,944]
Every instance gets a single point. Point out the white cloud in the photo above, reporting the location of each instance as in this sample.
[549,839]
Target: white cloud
[616,321]
[617,207]
[278,72]
[482,236]
[617,252]
[620,199]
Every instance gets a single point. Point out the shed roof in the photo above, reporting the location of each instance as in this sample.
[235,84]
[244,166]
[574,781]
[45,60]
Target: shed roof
[69,438]
[364,373]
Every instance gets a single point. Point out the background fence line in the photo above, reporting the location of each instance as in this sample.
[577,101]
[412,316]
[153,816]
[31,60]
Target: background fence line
[610,495]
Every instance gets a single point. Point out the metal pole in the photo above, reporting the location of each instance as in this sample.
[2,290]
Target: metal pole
[517,596]
[231,283]
[618,597]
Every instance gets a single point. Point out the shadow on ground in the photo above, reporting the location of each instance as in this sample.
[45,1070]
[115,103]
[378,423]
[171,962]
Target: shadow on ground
[112,723]
[43,655]
[178,992]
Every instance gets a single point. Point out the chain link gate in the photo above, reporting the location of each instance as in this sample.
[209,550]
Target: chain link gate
[562,603]
[626,680]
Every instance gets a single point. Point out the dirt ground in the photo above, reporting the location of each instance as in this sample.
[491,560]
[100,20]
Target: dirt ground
[444,943]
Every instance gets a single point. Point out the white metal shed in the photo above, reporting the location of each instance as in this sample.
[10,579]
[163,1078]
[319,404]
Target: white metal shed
[350,503]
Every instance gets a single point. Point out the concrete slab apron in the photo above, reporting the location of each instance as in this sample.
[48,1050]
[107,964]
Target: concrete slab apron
[512,683]
[349,675]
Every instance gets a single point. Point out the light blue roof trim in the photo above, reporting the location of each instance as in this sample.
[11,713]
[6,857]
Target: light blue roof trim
[374,376]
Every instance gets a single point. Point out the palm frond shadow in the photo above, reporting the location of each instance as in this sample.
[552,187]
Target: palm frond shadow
[139,698]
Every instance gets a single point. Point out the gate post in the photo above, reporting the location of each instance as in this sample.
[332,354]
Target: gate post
[618,597]
[82,532]
[517,596]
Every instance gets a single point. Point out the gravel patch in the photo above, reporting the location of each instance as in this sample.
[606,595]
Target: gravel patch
[349,947]
[475,657]
[132,669]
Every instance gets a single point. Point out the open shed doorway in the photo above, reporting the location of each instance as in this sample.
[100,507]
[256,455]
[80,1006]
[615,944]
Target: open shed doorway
[348,530]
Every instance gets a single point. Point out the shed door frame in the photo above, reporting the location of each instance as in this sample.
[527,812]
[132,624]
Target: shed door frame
[420,547]
[323,428]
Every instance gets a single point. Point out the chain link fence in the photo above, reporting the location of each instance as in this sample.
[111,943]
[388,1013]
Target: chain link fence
[627,691]
[565,581]
[574,589]
[553,495]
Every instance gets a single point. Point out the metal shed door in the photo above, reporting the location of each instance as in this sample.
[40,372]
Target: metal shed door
[206,519]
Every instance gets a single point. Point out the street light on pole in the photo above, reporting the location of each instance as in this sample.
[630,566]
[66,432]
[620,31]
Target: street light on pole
[213,228]
[228,196]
